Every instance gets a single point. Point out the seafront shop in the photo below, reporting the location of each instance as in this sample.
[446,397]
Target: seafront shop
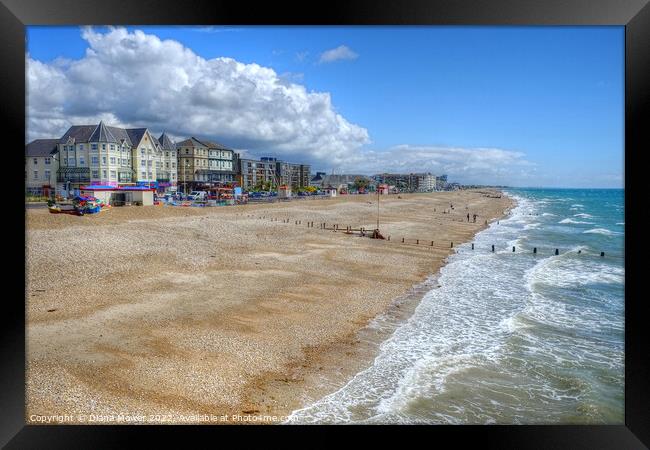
[120,196]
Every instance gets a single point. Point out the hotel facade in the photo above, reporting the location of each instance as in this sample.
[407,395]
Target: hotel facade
[102,155]
[112,156]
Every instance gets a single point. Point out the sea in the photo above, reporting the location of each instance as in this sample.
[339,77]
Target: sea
[508,337]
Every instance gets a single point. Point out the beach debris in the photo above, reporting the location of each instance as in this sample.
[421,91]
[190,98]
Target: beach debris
[51,310]
[376,235]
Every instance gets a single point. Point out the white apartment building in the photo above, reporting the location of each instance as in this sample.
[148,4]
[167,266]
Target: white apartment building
[41,165]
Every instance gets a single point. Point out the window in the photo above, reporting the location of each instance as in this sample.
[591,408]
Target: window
[173,165]
[142,152]
[94,160]
[149,163]
[144,175]
[112,160]
[95,174]
[47,174]
[81,161]
[81,147]
[36,174]
[112,147]
[65,161]
[187,151]
[124,161]
[103,146]
[143,163]
[103,160]
[35,161]
[103,173]
[166,165]
[166,154]
[113,174]
[150,177]
[47,161]
[93,146]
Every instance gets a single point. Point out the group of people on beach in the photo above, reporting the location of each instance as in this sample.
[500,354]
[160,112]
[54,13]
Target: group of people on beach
[475,216]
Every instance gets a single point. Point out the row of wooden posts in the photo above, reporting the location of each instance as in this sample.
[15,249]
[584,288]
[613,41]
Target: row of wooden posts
[363,232]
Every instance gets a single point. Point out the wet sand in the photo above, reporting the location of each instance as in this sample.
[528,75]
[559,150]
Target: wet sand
[214,315]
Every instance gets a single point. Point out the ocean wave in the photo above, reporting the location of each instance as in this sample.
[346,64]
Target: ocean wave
[620,223]
[583,215]
[548,214]
[567,271]
[575,221]
[577,205]
[603,231]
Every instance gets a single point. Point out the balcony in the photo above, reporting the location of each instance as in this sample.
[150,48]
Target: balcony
[73,175]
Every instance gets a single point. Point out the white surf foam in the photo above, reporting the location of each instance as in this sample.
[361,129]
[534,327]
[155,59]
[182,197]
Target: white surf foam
[603,231]
[575,221]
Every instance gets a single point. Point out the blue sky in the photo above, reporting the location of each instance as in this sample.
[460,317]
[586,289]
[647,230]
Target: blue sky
[527,106]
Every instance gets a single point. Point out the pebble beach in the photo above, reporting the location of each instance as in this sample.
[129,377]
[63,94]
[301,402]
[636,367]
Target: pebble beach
[221,315]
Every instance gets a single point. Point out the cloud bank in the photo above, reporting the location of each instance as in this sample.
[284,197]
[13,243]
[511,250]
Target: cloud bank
[466,165]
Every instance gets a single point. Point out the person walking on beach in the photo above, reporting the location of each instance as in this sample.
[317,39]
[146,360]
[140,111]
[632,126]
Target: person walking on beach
[475,217]
[467,217]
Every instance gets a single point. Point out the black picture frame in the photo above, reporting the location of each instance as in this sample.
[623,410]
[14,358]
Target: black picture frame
[633,14]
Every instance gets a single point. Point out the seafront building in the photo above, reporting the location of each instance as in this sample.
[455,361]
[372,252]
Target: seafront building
[102,155]
[408,182]
[41,165]
[255,173]
[113,156]
[203,164]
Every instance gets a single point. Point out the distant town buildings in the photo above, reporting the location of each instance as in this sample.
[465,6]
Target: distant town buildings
[408,182]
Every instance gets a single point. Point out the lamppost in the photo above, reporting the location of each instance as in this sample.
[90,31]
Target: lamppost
[185,177]
[377,210]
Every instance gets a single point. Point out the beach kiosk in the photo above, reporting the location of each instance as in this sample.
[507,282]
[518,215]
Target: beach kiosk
[284,191]
[383,189]
[120,196]
[330,191]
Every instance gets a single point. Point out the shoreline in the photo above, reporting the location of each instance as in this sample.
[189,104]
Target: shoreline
[218,312]
[324,371]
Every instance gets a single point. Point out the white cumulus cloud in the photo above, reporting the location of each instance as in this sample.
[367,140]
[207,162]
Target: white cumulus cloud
[137,79]
[341,52]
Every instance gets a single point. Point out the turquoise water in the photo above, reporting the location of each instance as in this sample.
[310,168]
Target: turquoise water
[508,338]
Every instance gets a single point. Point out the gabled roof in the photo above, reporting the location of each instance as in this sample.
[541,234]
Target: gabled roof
[102,134]
[79,133]
[121,135]
[41,147]
[166,143]
[214,145]
[191,142]
[135,134]
[90,133]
